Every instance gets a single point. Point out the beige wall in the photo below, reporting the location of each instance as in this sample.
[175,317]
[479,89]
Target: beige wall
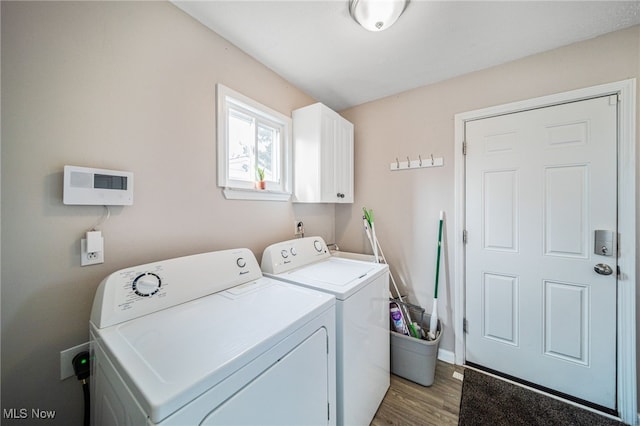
[120,85]
[131,86]
[421,122]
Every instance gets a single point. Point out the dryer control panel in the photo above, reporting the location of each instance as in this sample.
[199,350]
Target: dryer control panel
[287,255]
[140,290]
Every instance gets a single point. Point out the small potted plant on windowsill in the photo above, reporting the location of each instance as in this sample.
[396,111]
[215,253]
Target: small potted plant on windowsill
[261,184]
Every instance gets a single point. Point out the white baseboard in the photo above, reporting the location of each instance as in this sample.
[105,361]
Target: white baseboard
[446,356]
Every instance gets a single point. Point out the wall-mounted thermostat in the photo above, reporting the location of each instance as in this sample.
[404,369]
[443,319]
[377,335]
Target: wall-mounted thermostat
[89,186]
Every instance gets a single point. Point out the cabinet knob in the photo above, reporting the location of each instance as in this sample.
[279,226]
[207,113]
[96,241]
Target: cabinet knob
[340,195]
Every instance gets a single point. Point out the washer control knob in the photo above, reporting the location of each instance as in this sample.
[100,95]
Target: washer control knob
[284,254]
[317,245]
[146,284]
[293,251]
[241,262]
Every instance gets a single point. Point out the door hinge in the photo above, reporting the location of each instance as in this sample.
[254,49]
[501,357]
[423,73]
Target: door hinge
[465,325]
[464,148]
[464,236]
[328,411]
[327,343]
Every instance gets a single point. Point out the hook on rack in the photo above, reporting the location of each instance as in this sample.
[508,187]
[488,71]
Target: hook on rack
[416,164]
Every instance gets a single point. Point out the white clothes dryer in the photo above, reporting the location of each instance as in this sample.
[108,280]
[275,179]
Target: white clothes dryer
[362,318]
[207,340]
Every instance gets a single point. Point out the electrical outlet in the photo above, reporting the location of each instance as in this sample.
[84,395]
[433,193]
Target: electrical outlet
[298,228]
[66,356]
[90,258]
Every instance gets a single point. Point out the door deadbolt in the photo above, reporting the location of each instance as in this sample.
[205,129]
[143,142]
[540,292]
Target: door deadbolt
[604,243]
[603,269]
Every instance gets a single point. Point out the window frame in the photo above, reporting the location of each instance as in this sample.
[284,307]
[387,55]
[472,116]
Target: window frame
[243,190]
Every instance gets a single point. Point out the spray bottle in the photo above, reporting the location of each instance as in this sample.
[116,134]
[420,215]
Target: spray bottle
[397,319]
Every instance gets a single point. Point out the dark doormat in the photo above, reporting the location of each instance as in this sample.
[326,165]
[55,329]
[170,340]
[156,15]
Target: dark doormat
[487,400]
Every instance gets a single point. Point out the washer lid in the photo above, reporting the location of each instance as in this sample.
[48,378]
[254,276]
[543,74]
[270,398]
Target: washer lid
[170,357]
[341,277]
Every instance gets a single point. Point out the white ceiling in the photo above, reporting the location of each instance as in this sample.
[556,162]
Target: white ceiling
[318,47]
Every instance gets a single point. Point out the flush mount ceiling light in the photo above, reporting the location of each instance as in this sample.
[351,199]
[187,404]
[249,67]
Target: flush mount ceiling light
[376,15]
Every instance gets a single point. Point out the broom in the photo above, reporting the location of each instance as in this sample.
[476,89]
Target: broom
[433,324]
[369,227]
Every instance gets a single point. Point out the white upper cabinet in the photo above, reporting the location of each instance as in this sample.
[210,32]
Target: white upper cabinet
[323,156]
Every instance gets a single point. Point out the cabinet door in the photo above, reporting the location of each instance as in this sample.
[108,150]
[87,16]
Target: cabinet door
[343,161]
[328,137]
[323,152]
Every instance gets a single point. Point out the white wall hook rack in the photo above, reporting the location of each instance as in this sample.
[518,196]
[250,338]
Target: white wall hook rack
[420,163]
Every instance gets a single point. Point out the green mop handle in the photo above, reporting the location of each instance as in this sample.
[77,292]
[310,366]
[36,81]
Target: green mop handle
[435,294]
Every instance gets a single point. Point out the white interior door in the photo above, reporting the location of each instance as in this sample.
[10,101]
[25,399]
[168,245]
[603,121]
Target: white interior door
[538,184]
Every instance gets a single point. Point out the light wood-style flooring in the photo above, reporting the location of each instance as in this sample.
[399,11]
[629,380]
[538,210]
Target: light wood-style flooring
[410,404]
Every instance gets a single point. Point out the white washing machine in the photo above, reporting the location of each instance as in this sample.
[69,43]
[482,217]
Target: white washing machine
[362,318]
[207,340]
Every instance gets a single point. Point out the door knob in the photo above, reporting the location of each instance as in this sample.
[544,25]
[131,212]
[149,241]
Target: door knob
[603,269]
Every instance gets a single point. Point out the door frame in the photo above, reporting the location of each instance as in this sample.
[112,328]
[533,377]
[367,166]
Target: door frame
[626,298]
